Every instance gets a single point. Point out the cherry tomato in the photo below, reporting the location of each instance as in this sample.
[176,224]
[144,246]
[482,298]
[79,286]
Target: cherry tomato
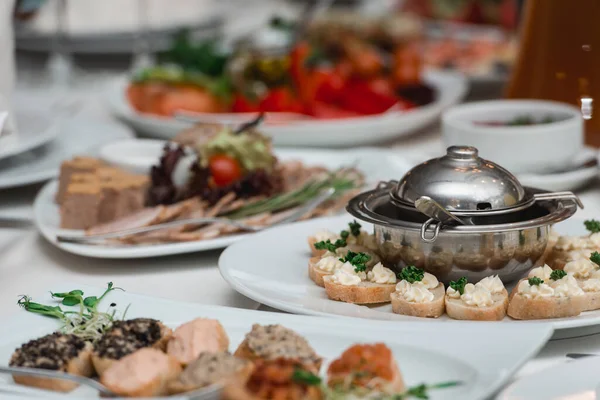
[224,169]
[329,85]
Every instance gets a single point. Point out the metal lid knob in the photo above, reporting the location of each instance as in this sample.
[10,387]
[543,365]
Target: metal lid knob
[460,181]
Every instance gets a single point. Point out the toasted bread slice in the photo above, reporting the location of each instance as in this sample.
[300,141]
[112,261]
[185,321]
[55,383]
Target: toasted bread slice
[591,301]
[80,365]
[315,273]
[145,373]
[314,251]
[520,307]
[433,309]
[458,309]
[363,293]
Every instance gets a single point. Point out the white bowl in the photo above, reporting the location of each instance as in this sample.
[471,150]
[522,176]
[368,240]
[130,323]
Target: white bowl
[539,148]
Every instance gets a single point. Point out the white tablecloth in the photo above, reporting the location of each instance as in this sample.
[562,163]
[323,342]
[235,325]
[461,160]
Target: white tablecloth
[29,265]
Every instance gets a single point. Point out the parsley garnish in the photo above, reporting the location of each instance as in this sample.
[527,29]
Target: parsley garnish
[305,377]
[358,260]
[412,274]
[332,247]
[592,225]
[344,234]
[459,285]
[595,258]
[535,281]
[557,274]
[354,228]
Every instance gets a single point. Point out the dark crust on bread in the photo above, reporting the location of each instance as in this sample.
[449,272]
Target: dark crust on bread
[51,352]
[125,337]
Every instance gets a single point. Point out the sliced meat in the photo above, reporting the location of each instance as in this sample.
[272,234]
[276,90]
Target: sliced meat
[144,217]
[195,337]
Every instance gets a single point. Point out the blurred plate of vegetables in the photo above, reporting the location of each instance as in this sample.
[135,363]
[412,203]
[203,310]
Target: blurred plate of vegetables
[337,86]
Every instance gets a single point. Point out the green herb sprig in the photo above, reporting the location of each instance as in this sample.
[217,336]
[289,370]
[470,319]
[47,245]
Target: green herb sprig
[354,228]
[358,260]
[306,377]
[535,281]
[422,391]
[459,285]
[592,225]
[87,323]
[557,274]
[595,258]
[340,180]
[411,274]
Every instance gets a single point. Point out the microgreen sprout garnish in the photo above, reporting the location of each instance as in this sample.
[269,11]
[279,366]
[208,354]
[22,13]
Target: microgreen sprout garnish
[535,281]
[595,258]
[459,285]
[358,260]
[421,391]
[557,274]
[305,377]
[592,225]
[354,228]
[88,323]
[411,274]
[332,247]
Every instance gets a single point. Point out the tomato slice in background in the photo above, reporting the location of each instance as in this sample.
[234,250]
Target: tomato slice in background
[281,100]
[361,98]
[224,169]
[242,104]
[323,110]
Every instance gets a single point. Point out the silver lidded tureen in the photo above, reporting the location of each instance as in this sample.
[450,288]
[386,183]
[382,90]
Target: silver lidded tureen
[460,215]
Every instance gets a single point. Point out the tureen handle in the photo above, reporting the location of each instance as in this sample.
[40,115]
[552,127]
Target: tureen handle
[436,230]
[558,196]
[386,184]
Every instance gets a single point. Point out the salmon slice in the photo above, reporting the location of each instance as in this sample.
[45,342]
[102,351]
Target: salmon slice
[195,337]
[144,373]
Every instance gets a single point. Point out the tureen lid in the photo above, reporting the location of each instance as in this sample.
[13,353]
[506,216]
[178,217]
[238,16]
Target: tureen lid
[460,181]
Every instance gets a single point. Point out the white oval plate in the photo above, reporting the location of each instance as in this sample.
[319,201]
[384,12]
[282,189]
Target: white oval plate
[450,87]
[423,356]
[574,380]
[78,136]
[376,164]
[277,276]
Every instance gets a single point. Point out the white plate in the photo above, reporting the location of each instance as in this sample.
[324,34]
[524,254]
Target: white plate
[348,132]
[571,180]
[95,27]
[78,135]
[35,127]
[374,163]
[424,356]
[279,278]
[574,380]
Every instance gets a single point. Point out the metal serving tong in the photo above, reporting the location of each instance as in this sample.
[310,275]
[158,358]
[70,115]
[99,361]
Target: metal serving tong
[206,393]
[301,211]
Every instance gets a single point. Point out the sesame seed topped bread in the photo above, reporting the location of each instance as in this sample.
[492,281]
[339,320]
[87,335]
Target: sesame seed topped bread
[126,337]
[57,352]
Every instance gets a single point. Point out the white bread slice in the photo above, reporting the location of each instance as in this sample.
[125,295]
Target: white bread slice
[80,366]
[434,309]
[315,273]
[458,309]
[520,307]
[363,293]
